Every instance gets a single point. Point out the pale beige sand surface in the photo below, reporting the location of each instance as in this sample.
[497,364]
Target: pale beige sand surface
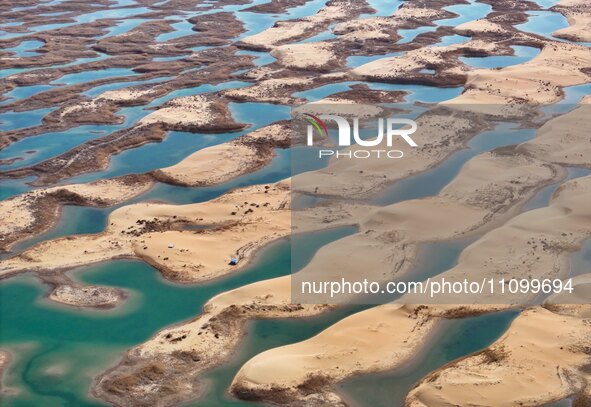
[236,224]
[373,340]
[399,67]
[318,55]
[448,130]
[488,190]
[271,90]
[554,231]
[533,245]
[543,357]
[578,14]
[385,28]
[222,162]
[24,215]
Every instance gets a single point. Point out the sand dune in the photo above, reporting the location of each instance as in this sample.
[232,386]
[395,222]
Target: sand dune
[538,81]
[26,215]
[543,357]
[439,132]
[578,13]
[233,225]
[223,162]
[555,231]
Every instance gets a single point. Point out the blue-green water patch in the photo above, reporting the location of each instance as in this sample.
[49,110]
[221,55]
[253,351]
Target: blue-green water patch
[262,58]
[23,92]
[452,40]
[20,120]
[180,29]
[544,23]
[12,187]
[48,145]
[466,12]
[60,349]
[123,26]
[321,36]
[26,48]
[383,8]
[522,54]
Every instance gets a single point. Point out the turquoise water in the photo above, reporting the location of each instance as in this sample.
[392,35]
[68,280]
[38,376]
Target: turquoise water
[24,92]
[47,145]
[124,26]
[383,7]
[522,54]
[321,36]
[180,29]
[460,338]
[12,187]
[58,349]
[544,23]
[466,12]
[262,58]
[26,48]
[452,40]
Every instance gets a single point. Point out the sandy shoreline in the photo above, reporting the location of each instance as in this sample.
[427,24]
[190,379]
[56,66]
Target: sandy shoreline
[542,358]
[235,224]
[253,380]
[195,242]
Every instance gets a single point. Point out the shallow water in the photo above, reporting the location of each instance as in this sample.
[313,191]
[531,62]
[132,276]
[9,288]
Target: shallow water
[544,23]
[460,338]
[522,54]
[21,120]
[466,12]
[60,349]
[26,48]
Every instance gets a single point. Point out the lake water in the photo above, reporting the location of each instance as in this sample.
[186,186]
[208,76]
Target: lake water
[59,349]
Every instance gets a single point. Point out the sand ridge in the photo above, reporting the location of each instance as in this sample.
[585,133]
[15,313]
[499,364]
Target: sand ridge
[542,358]
[233,225]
